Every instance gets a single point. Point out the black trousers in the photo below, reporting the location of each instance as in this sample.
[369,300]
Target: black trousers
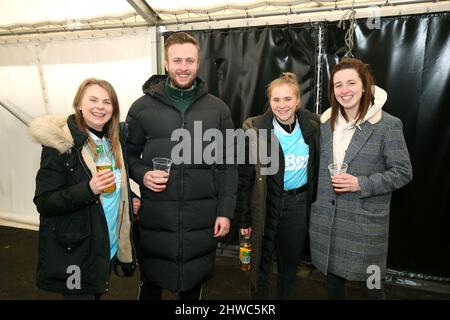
[290,239]
[336,289]
[148,291]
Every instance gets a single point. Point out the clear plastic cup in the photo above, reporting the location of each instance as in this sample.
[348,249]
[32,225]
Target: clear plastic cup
[162,164]
[337,168]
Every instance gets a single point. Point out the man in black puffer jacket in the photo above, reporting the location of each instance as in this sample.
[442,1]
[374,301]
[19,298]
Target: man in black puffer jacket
[184,215]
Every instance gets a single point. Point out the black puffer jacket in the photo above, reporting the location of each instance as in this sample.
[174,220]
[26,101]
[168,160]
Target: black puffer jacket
[73,229]
[177,225]
[259,196]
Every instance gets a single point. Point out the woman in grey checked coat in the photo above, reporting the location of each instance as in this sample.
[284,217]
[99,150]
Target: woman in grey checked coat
[349,225]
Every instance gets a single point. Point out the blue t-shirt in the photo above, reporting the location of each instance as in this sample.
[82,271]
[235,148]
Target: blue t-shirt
[111,201]
[296,155]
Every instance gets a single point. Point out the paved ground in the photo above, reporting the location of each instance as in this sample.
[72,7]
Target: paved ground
[18,250]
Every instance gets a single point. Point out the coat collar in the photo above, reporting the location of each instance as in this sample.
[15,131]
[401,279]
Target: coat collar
[155,85]
[266,122]
[357,142]
[57,131]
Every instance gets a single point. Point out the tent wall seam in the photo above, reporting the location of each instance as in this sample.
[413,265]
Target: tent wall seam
[38,51]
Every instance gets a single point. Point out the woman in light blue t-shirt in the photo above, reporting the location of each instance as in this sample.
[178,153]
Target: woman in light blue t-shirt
[85,228]
[274,209]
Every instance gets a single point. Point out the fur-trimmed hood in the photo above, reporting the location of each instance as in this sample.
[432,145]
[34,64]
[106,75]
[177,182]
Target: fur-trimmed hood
[52,131]
[373,114]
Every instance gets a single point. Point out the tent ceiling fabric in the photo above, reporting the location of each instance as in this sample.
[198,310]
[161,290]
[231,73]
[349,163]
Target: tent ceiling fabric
[36,11]
[251,8]
[22,17]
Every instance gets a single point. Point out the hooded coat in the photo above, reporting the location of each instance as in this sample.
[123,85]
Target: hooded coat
[259,195]
[73,229]
[349,232]
[177,247]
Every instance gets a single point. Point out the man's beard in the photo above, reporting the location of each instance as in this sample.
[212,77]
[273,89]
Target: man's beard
[175,83]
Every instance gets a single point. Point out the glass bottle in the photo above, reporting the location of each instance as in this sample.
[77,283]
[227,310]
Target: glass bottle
[245,251]
[102,163]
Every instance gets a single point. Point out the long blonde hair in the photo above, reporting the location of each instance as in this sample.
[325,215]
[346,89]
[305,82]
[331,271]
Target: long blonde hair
[111,128]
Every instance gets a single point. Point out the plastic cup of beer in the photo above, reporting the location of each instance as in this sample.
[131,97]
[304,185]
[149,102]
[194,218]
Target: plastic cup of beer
[105,166]
[162,164]
[337,168]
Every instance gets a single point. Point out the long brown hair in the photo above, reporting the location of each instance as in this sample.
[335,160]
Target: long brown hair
[111,128]
[367,83]
[288,78]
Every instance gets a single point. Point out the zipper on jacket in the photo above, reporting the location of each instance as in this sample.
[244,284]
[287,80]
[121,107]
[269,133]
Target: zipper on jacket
[180,218]
[88,172]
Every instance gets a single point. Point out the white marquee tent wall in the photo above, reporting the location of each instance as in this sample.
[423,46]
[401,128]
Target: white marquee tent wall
[42,78]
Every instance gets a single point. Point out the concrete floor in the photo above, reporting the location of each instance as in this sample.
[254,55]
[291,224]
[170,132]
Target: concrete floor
[18,256]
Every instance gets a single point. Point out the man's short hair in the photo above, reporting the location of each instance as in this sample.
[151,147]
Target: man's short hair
[180,38]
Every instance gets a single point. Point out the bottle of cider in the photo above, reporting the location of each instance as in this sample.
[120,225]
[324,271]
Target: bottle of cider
[103,163]
[245,251]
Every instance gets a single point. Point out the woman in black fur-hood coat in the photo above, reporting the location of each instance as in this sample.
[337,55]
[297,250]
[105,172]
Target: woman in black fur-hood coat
[73,231]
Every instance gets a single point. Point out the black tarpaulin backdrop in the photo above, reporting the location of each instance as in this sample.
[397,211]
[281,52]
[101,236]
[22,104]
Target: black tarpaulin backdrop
[409,57]
[239,63]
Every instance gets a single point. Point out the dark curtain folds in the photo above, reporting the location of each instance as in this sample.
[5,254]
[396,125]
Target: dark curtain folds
[238,64]
[409,57]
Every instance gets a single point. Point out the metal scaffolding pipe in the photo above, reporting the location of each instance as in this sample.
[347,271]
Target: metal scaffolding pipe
[21,115]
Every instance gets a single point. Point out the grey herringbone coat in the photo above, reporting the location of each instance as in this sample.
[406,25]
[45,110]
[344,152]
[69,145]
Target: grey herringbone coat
[349,232]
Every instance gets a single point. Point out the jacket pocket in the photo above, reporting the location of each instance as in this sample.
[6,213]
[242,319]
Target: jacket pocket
[72,240]
[374,209]
[69,247]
